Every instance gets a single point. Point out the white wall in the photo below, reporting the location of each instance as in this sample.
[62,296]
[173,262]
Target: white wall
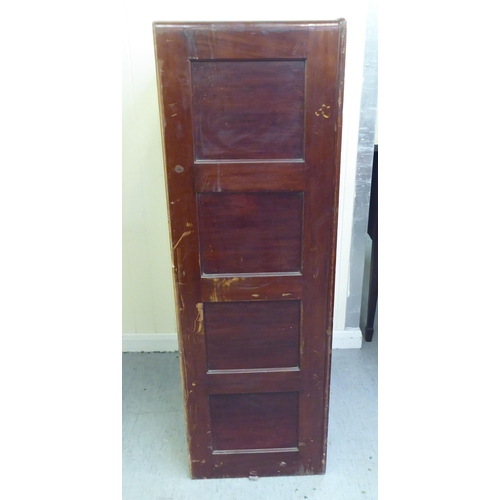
[148,300]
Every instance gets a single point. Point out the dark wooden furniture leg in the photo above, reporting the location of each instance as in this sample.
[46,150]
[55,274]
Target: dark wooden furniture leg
[373,232]
[373,293]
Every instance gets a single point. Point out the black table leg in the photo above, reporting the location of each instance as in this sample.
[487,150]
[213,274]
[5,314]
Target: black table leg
[373,232]
[373,292]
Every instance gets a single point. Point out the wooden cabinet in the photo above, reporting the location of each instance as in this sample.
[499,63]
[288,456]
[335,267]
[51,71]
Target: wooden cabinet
[251,117]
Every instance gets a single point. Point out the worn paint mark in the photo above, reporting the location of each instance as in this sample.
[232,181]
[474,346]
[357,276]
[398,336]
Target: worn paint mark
[175,114]
[286,294]
[232,280]
[186,362]
[255,295]
[321,111]
[214,295]
[183,306]
[178,270]
[189,224]
[193,414]
[184,234]
[198,322]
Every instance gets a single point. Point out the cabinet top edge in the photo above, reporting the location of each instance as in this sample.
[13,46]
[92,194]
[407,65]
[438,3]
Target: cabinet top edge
[245,25]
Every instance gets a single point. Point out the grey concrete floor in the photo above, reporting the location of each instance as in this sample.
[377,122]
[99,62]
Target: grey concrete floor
[155,457]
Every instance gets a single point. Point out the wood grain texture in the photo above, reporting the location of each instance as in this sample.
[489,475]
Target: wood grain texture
[241,177]
[250,232]
[238,287]
[253,220]
[252,381]
[248,109]
[254,421]
[246,335]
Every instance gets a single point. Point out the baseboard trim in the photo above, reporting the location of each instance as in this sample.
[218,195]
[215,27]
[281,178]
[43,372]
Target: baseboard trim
[347,339]
[167,342]
[149,342]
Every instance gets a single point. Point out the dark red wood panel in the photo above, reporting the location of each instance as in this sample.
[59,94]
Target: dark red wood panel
[250,232]
[254,421]
[250,381]
[251,117]
[241,177]
[271,286]
[248,109]
[258,464]
[249,335]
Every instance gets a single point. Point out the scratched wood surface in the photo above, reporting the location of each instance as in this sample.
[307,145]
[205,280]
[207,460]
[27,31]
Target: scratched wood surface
[251,117]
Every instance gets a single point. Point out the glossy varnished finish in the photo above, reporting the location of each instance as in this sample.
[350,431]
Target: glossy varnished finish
[250,232]
[251,125]
[237,177]
[248,109]
[266,335]
[262,421]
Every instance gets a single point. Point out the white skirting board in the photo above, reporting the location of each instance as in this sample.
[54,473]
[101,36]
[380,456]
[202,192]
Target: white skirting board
[167,342]
[149,342]
[351,338]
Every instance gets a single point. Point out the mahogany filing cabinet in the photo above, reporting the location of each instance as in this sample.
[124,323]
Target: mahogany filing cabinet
[251,118]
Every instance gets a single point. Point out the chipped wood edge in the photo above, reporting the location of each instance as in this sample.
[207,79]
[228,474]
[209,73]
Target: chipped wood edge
[177,299]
